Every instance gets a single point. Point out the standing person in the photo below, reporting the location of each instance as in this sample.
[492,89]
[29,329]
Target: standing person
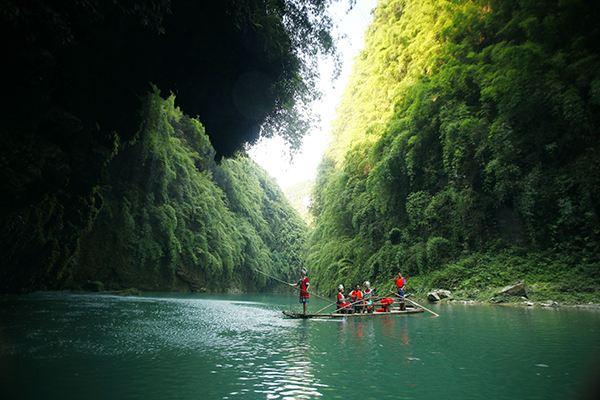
[400,282]
[368,295]
[355,297]
[304,284]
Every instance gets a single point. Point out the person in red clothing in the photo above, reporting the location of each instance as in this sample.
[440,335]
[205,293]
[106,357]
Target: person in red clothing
[356,297]
[400,282]
[304,284]
[341,304]
[386,302]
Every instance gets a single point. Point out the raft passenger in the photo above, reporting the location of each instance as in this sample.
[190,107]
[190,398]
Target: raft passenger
[341,303]
[368,295]
[356,297]
[386,302]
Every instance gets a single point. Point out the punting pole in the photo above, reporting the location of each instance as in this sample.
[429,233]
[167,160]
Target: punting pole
[424,308]
[327,306]
[277,279]
[416,304]
[290,284]
[351,304]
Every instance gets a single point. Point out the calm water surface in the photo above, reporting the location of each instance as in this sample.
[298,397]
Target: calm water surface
[239,347]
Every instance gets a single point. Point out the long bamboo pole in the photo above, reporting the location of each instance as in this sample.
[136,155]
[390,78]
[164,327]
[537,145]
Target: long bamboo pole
[376,298]
[417,304]
[351,304]
[290,284]
[326,307]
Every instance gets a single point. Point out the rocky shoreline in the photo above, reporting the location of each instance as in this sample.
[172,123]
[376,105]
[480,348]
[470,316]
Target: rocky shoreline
[516,295]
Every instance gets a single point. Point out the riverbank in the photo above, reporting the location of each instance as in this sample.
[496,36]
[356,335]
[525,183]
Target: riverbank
[550,279]
[547,278]
[509,302]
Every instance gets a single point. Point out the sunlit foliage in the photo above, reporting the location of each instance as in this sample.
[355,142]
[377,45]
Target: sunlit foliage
[467,126]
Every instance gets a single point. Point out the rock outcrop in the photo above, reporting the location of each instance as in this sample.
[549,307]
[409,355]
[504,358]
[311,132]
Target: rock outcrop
[518,289]
[438,294]
[549,303]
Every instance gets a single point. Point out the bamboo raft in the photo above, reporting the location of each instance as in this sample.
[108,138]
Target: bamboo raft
[291,314]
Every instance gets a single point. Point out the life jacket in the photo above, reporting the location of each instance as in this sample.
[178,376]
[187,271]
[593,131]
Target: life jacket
[340,298]
[304,288]
[356,294]
[400,282]
[387,301]
[368,293]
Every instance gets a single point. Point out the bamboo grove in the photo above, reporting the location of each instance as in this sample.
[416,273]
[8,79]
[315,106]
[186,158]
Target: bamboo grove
[465,152]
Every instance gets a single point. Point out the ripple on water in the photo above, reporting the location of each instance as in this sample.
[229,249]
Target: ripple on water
[232,349]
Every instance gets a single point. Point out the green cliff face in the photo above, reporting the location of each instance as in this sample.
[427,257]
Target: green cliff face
[174,219]
[467,147]
[74,76]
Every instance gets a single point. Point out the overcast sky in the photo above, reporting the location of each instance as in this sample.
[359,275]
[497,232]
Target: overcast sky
[271,153]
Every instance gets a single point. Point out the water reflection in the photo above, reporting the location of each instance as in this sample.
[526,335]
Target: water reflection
[285,370]
[387,325]
[404,332]
[189,348]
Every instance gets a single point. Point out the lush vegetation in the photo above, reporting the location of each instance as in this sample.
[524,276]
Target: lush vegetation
[466,150]
[74,74]
[172,218]
[299,197]
[465,153]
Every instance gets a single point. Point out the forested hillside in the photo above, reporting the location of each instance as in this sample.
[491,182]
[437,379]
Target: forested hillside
[76,74]
[174,219]
[466,151]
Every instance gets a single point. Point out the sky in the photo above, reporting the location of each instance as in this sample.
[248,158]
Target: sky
[271,153]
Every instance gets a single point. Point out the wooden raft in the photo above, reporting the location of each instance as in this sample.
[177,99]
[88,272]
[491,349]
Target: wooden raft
[291,314]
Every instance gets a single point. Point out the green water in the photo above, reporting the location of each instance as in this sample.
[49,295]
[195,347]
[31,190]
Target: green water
[239,347]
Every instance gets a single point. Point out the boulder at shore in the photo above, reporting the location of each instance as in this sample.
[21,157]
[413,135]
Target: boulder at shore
[549,303]
[518,289]
[438,294]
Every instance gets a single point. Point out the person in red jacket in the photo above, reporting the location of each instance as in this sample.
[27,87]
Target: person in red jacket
[342,305]
[400,282]
[356,297]
[304,284]
[386,302]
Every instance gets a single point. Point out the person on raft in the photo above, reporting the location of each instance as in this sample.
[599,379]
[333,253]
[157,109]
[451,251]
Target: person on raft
[342,305]
[368,295]
[386,302]
[356,297]
[304,284]
[400,282]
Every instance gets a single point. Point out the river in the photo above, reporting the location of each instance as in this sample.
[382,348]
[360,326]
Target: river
[160,346]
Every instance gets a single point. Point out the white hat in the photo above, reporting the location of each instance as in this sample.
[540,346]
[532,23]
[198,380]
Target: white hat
[367,284]
[304,271]
[341,287]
